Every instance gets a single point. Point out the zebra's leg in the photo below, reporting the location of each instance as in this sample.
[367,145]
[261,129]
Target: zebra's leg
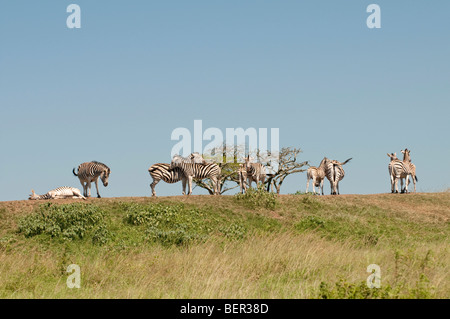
[321,186]
[183,185]
[96,186]
[313,184]
[77,194]
[88,188]
[307,184]
[337,186]
[153,185]
[190,185]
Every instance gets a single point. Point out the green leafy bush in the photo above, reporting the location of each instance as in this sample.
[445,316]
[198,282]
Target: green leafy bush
[69,221]
[257,197]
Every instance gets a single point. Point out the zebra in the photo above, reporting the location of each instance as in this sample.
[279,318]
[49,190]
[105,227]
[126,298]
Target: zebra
[194,169]
[398,170]
[334,173]
[242,174]
[255,172]
[412,168]
[162,171]
[317,174]
[58,193]
[89,172]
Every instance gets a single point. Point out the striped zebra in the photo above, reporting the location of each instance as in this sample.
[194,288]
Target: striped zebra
[58,193]
[397,170]
[162,171]
[412,168]
[255,172]
[317,174]
[197,170]
[89,172]
[242,175]
[334,173]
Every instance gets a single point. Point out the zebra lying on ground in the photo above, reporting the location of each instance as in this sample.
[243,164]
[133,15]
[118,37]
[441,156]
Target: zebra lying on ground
[89,172]
[317,174]
[59,193]
[255,172]
[334,173]
[412,169]
[162,171]
[196,170]
[397,170]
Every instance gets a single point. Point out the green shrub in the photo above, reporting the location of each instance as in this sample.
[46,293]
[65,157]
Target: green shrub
[257,197]
[101,235]
[69,221]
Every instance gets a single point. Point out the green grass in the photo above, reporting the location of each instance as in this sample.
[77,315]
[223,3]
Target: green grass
[246,246]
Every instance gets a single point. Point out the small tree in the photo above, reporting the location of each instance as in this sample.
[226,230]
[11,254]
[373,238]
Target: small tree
[287,165]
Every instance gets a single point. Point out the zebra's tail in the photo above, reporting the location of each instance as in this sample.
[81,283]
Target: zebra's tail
[73,171]
[415,176]
[346,161]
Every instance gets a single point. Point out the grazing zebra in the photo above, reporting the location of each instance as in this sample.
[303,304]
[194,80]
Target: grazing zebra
[412,168]
[89,172]
[317,174]
[197,170]
[255,172]
[162,171]
[334,173]
[59,193]
[397,170]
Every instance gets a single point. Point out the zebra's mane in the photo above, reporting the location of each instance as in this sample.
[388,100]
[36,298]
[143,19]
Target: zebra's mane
[100,163]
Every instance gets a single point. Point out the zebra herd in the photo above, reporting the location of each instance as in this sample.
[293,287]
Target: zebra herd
[194,166]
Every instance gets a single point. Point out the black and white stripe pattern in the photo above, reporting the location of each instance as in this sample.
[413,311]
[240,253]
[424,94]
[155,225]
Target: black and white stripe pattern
[89,172]
[255,172]
[412,169]
[197,170]
[58,193]
[334,173]
[317,174]
[162,171]
[397,170]
[242,175]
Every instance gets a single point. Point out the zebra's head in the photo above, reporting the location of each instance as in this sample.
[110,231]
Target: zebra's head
[248,162]
[104,176]
[197,158]
[406,155]
[392,156]
[33,195]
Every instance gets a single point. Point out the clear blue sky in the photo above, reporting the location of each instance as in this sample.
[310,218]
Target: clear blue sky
[114,90]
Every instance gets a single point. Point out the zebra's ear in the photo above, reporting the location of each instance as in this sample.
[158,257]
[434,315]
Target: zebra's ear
[403,152]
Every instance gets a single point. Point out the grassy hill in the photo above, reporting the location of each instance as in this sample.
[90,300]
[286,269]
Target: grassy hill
[254,246]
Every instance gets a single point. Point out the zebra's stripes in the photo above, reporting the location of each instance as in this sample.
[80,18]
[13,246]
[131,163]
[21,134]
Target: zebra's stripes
[242,175]
[412,169]
[317,174]
[397,170]
[334,173]
[197,170]
[89,172]
[58,193]
[162,171]
[255,172]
